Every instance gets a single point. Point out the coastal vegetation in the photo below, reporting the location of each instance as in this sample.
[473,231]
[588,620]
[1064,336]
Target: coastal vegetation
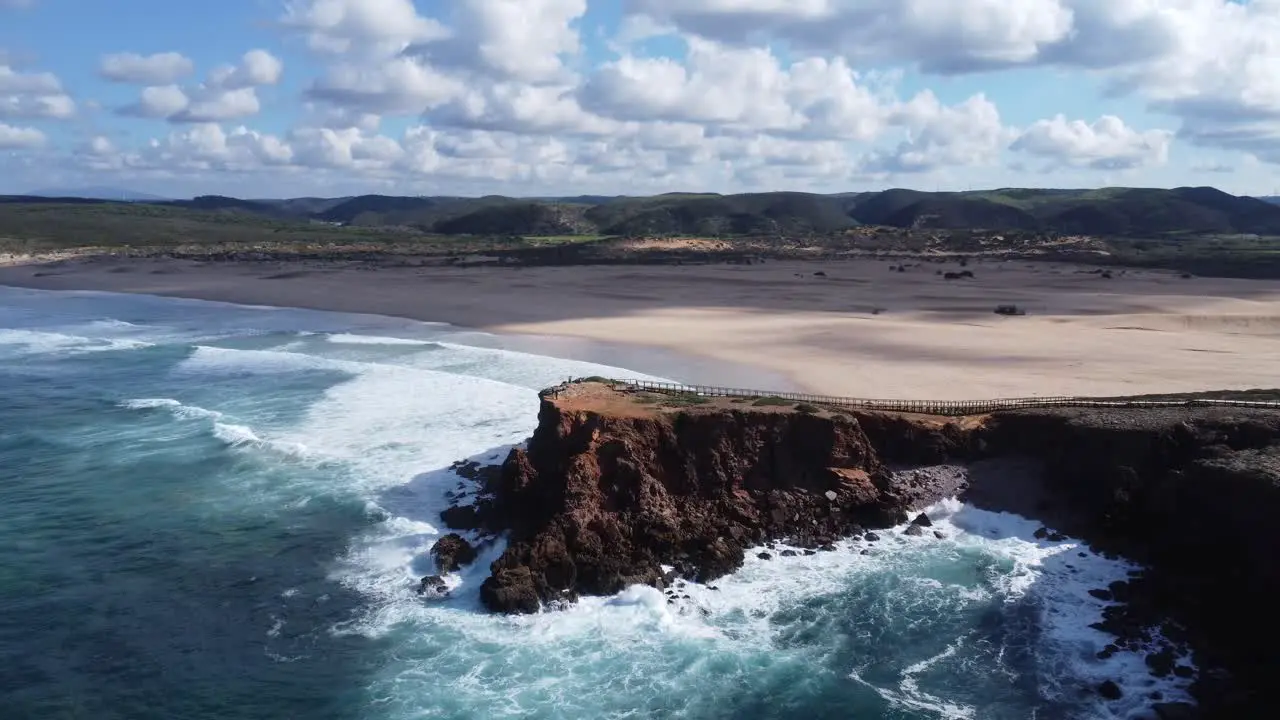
[1200,231]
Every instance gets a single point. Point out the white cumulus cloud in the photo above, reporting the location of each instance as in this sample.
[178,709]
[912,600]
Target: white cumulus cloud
[20,137]
[33,96]
[158,69]
[1106,144]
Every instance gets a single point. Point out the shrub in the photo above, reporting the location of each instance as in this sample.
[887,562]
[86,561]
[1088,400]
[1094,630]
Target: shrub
[808,409]
[772,402]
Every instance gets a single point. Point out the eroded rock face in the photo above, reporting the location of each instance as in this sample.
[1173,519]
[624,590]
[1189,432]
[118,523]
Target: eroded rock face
[451,552]
[598,502]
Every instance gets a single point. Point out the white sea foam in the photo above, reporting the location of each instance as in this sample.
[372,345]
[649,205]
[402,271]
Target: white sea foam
[243,436]
[350,339]
[178,409]
[39,342]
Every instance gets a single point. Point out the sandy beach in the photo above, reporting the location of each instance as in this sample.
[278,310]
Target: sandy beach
[854,328]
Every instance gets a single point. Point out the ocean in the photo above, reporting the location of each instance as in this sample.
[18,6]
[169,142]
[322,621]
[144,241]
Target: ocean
[219,511]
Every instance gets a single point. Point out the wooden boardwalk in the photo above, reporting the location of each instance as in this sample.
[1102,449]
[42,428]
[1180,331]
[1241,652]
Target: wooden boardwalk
[939,407]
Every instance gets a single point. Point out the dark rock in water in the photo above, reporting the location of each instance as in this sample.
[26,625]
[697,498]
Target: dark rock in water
[510,590]
[922,520]
[1110,690]
[1162,663]
[789,553]
[461,517]
[914,531]
[1120,591]
[865,552]
[1184,671]
[469,469]
[827,548]
[712,587]
[1175,711]
[939,534]
[764,556]
[433,586]
[1042,533]
[871,537]
[452,552]
[809,552]
[1101,594]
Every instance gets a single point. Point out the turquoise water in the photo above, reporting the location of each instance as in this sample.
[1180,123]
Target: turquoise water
[212,511]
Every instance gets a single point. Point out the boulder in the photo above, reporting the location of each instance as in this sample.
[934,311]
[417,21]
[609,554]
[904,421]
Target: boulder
[452,552]
[433,586]
[1110,690]
[510,590]
[461,517]
[1162,663]
[922,520]
[914,531]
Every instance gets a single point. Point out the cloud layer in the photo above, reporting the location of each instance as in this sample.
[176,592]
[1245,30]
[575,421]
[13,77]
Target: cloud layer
[538,96]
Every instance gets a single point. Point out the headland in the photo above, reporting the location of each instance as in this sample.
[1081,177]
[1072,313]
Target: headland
[622,486]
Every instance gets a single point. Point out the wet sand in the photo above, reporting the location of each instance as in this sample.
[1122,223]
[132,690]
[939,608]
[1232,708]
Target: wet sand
[858,328]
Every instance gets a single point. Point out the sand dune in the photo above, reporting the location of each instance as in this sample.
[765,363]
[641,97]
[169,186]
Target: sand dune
[861,329]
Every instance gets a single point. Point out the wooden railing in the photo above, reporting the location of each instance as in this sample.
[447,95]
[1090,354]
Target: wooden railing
[938,407]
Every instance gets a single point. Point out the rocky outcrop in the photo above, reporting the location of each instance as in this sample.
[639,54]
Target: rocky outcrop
[601,500]
[452,552]
[1193,494]
[609,490]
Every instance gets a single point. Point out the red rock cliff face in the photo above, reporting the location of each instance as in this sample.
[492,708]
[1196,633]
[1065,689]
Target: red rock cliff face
[601,500]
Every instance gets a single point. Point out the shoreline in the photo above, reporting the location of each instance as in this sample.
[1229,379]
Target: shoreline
[657,362]
[858,328]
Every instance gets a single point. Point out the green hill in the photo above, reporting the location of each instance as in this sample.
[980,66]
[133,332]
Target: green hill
[787,213]
[1105,211]
[1102,212]
[519,218]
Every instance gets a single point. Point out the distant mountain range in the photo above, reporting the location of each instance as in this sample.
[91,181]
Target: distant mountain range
[1129,212]
[97,193]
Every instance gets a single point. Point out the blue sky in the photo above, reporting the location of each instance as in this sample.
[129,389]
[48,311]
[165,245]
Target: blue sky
[567,96]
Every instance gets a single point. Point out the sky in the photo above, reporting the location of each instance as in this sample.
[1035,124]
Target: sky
[286,98]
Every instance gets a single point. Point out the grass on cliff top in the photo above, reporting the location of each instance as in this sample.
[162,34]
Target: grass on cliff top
[773,402]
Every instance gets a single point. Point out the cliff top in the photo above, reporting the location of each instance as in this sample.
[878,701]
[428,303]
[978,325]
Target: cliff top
[604,398]
[600,396]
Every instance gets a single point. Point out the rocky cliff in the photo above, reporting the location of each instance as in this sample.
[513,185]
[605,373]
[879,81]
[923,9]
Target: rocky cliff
[1194,494]
[604,496]
[613,486]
